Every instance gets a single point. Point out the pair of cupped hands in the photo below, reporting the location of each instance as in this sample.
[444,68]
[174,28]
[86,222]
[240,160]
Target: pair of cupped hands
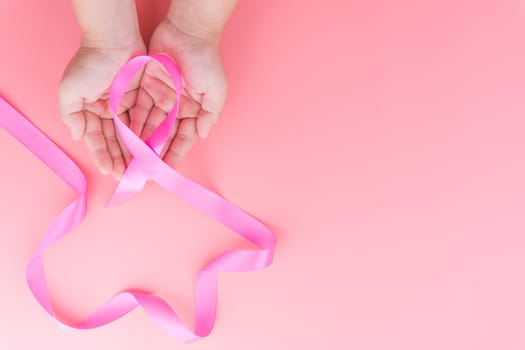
[84,94]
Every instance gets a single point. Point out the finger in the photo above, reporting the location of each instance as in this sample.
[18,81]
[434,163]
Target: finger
[139,114]
[157,70]
[169,140]
[98,107]
[124,117]
[76,122]
[128,101]
[101,107]
[125,153]
[205,121]
[211,107]
[96,143]
[164,96]
[156,117]
[188,108]
[182,142]
[113,147]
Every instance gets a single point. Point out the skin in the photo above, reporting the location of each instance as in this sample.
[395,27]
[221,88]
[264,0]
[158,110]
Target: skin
[190,34]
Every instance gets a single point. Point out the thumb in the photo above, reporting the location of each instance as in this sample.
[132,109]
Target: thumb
[76,122]
[70,105]
[211,107]
[205,121]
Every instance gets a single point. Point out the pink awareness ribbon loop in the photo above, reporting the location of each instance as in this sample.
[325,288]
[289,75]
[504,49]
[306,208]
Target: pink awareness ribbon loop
[146,164]
[135,177]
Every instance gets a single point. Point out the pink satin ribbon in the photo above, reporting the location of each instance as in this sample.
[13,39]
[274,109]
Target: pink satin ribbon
[146,164]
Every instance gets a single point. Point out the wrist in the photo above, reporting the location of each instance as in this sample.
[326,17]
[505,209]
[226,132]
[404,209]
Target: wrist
[184,40]
[198,29]
[111,40]
[107,23]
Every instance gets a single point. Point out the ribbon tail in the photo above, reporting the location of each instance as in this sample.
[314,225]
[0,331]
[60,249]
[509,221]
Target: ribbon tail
[132,182]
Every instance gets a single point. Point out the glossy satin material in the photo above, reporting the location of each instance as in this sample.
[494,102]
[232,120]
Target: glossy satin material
[145,165]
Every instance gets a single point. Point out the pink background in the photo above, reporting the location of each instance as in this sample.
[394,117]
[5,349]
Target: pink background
[381,140]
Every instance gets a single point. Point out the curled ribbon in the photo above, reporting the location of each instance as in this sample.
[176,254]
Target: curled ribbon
[146,164]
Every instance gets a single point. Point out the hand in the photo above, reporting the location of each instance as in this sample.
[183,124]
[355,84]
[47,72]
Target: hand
[204,91]
[83,98]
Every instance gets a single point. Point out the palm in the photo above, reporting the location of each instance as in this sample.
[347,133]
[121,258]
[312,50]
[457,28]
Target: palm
[84,93]
[156,97]
[204,80]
